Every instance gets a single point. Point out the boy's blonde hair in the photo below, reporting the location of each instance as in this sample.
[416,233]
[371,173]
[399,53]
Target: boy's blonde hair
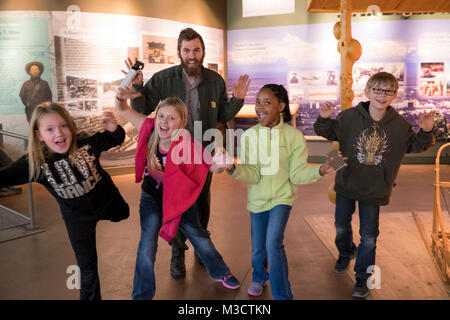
[382,77]
[180,107]
[37,149]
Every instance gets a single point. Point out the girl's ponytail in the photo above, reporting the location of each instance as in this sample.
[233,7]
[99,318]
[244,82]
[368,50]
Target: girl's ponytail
[285,98]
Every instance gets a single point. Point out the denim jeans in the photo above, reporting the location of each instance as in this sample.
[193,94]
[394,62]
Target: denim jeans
[203,205]
[144,284]
[267,232]
[368,230]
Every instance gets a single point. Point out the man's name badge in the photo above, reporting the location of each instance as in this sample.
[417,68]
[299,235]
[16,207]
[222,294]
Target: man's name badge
[213,104]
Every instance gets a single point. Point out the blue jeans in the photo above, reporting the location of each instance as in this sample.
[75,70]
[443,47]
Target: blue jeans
[267,229]
[368,230]
[150,210]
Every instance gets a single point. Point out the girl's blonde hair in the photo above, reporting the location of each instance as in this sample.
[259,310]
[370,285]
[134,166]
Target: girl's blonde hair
[153,141]
[37,149]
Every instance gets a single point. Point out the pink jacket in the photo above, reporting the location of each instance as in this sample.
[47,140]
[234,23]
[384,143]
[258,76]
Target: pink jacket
[184,176]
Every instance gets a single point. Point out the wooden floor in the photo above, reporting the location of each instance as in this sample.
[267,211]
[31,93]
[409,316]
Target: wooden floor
[34,266]
[406,269]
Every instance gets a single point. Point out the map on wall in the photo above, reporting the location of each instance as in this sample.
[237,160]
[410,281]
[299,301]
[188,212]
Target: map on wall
[305,60]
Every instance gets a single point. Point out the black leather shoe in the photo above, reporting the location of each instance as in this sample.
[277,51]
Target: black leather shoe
[177,266]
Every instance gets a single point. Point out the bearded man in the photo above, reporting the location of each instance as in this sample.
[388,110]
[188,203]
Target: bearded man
[204,92]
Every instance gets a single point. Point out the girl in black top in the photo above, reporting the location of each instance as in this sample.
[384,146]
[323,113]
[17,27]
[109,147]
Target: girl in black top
[70,170]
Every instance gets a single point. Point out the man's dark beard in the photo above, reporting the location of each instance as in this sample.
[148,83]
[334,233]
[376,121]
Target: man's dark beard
[192,72]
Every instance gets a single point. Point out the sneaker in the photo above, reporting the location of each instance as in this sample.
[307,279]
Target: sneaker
[177,267]
[343,262]
[361,290]
[255,289]
[229,281]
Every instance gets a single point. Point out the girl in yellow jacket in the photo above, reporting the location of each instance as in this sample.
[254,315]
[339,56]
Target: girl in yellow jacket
[273,160]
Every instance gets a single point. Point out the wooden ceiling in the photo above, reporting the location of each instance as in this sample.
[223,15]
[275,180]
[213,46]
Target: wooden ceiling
[386,6]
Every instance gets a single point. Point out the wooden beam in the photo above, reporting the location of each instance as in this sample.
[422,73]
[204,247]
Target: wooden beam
[346,65]
[386,6]
[350,50]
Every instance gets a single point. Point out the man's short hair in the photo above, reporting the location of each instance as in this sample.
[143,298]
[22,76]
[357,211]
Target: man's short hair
[189,34]
[382,77]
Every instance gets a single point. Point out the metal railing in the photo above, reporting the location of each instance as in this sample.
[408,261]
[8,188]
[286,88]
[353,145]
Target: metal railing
[31,225]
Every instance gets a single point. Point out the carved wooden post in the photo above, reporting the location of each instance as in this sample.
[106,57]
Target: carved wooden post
[350,50]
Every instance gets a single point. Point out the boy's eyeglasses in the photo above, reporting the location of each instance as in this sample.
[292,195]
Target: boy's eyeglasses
[388,92]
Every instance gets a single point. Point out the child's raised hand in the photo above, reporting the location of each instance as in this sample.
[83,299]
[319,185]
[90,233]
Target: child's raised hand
[326,109]
[127,93]
[139,77]
[221,161]
[109,122]
[426,121]
[327,166]
[122,94]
